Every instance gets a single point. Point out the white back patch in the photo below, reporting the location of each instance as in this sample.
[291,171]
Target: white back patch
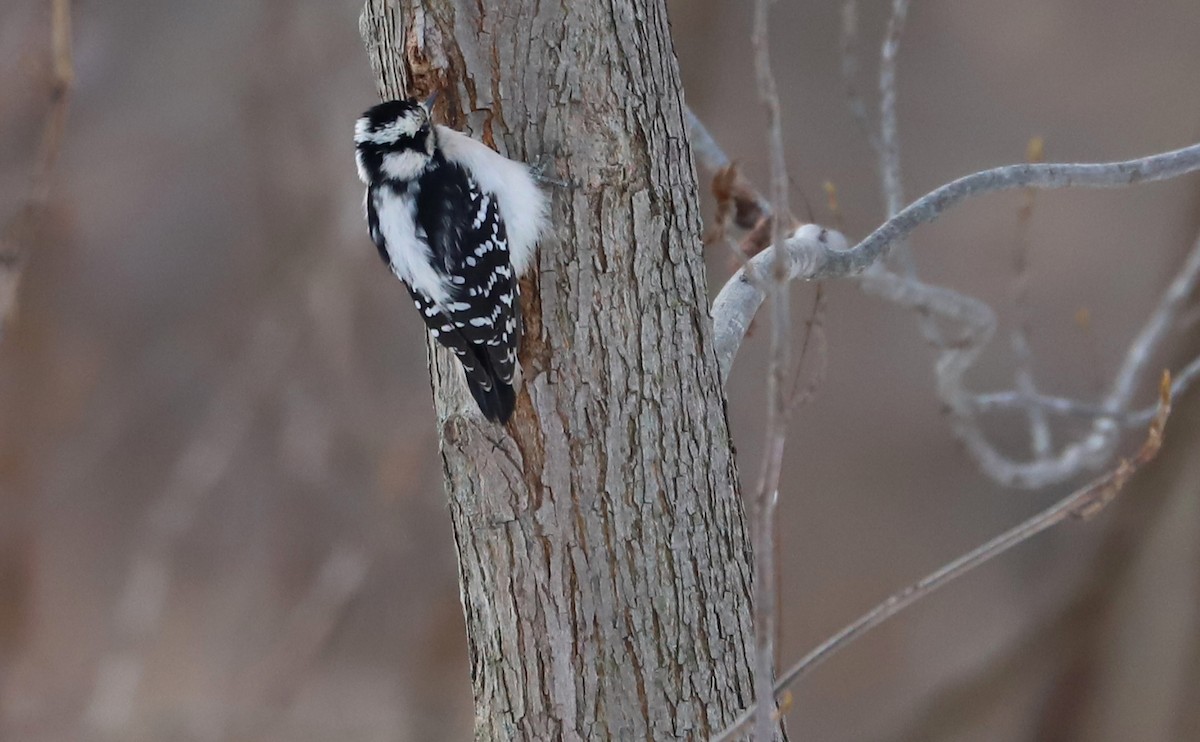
[522,204]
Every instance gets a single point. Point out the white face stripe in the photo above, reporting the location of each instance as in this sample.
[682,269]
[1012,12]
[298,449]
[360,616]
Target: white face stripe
[405,126]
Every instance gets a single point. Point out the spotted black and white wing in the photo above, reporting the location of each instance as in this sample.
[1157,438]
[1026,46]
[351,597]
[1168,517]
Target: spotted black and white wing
[478,317]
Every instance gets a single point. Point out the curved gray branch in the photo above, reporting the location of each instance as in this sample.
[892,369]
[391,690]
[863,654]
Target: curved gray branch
[928,208]
[814,253]
[739,300]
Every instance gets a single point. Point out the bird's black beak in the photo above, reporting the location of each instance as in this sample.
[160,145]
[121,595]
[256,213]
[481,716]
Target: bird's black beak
[430,101]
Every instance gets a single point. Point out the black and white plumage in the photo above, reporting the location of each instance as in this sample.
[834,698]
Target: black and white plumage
[458,223]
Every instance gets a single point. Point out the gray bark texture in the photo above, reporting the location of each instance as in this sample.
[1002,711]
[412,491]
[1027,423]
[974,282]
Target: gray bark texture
[604,566]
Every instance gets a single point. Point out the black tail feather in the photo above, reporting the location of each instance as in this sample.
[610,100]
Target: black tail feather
[496,403]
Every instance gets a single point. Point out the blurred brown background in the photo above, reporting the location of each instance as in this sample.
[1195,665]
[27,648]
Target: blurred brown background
[221,510]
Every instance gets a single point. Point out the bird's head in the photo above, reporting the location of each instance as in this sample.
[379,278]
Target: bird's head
[393,141]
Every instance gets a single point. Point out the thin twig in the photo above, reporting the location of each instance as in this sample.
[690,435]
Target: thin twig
[1072,628]
[889,135]
[887,151]
[1039,427]
[1066,407]
[1183,380]
[849,54]
[1142,349]
[712,157]
[1016,400]
[778,289]
[814,338]
[1084,502]
[22,231]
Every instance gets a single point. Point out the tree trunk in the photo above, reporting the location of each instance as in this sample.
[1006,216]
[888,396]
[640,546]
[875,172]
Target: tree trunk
[605,571]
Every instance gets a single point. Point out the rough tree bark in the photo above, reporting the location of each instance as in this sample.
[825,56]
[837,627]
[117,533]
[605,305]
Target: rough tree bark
[604,567]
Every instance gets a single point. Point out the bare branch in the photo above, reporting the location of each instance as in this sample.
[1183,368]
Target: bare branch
[1094,448]
[1153,333]
[1084,502]
[1065,407]
[779,290]
[932,304]
[1061,406]
[808,248]
[1039,427]
[1183,380]
[928,208]
[977,324]
[811,258]
[739,300]
[704,147]
[889,136]
[887,151]
[821,260]
[849,50]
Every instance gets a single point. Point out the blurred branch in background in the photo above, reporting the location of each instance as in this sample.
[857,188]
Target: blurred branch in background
[22,230]
[1067,643]
[297,328]
[766,495]
[265,689]
[817,261]
[198,471]
[813,252]
[1040,441]
[889,130]
[1084,502]
[849,70]
[978,321]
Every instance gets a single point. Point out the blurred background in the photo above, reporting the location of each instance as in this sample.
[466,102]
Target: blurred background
[221,508]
